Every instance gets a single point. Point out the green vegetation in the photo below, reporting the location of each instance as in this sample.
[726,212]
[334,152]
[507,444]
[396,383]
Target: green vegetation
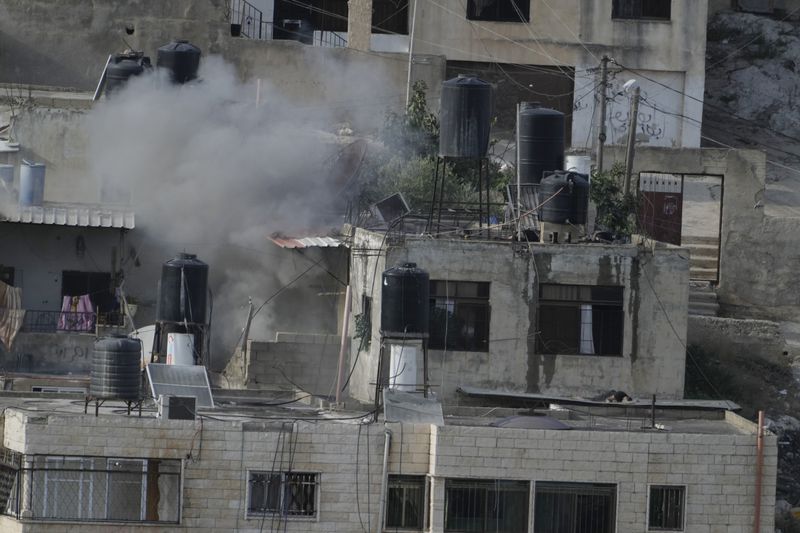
[408,162]
[616,211]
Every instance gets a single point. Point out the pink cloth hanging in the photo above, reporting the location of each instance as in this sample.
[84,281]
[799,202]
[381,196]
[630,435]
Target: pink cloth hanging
[77,314]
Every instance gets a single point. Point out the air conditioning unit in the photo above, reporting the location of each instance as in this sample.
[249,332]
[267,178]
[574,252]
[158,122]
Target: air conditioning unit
[177,407]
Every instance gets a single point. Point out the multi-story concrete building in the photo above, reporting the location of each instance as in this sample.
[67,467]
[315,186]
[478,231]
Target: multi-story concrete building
[300,469]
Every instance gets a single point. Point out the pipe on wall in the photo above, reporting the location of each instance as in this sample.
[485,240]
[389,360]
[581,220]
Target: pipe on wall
[387,443]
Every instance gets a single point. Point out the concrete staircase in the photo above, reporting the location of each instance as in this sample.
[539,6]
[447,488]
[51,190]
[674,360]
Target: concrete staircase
[705,257]
[702,299]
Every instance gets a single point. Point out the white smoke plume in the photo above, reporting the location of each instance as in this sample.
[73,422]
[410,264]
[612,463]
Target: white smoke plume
[210,173]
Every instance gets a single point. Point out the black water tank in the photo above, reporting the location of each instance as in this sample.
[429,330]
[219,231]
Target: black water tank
[181,59]
[122,67]
[565,196]
[116,370]
[465,117]
[183,290]
[405,301]
[540,142]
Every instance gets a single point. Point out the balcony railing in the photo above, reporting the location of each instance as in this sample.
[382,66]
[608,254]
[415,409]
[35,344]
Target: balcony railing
[69,322]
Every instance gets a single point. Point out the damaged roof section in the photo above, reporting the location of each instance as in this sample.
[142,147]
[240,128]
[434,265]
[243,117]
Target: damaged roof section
[83,216]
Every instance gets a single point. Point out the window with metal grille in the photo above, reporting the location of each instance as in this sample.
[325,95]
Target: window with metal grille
[459,316]
[574,508]
[290,494]
[666,508]
[405,502]
[486,506]
[97,489]
[580,320]
[499,10]
[642,9]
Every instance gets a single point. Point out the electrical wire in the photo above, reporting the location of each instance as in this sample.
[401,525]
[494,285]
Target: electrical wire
[707,104]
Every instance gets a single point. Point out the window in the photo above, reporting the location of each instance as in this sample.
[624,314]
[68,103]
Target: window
[290,494]
[405,502]
[580,320]
[574,508]
[390,16]
[499,10]
[666,508]
[641,9]
[459,316]
[96,284]
[92,489]
[484,506]
[7,275]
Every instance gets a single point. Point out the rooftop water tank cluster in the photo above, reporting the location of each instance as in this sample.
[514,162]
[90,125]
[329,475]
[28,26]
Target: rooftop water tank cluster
[179,60]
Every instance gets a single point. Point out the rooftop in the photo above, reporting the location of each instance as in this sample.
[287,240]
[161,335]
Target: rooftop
[252,406]
[78,215]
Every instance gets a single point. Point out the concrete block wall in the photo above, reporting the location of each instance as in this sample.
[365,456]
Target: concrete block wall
[717,470]
[311,366]
[217,456]
[655,303]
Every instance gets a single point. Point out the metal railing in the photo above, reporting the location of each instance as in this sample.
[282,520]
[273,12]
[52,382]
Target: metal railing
[92,489]
[247,20]
[65,321]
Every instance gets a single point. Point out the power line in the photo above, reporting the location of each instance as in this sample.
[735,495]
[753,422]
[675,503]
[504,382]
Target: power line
[712,106]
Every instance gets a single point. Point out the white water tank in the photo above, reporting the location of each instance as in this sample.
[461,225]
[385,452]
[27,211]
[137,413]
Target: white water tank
[580,163]
[146,334]
[180,349]
[403,367]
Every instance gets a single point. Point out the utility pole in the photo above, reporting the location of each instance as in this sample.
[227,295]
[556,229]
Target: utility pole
[631,138]
[411,52]
[603,101]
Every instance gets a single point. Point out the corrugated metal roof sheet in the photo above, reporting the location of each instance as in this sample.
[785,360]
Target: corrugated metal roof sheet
[84,216]
[307,242]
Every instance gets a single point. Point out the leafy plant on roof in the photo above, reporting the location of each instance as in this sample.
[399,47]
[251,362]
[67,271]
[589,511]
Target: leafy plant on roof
[616,210]
[408,164]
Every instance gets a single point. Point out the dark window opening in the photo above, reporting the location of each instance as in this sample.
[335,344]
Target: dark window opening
[363,323]
[666,508]
[390,16]
[460,314]
[7,275]
[290,494]
[483,506]
[499,10]
[580,320]
[405,502]
[574,508]
[642,9]
[322,15]
[96,284]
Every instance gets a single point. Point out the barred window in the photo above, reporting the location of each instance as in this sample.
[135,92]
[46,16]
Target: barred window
[290,494]
[641,9]
[580,320]
[405,502]
[97,489]
[499,10]
[486,506]
[460,314]
[666,508]
[575,507]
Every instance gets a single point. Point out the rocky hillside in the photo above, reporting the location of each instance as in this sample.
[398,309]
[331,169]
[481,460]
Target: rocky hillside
[753,97]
